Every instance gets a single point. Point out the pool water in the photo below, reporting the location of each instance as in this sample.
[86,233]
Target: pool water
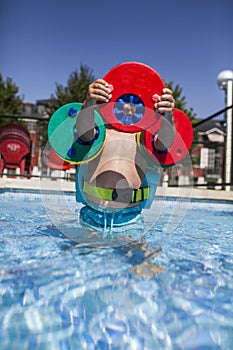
[56,294]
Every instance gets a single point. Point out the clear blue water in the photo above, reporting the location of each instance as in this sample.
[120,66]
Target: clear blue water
[55,294]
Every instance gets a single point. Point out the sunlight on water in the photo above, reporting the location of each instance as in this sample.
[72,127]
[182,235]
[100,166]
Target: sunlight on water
[56,294]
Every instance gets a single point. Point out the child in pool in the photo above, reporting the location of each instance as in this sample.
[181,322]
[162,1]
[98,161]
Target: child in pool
[120,167]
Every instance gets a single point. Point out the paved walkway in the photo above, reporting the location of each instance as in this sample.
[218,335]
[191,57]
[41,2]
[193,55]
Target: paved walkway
[62,185]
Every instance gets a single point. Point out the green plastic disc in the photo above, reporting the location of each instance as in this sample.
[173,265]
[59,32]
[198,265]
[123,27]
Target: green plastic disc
[61,135]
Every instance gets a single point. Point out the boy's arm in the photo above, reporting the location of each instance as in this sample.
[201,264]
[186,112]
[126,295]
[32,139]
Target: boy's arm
[99,90]
[164,105]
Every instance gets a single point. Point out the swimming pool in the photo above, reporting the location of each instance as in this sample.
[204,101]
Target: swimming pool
[55,294]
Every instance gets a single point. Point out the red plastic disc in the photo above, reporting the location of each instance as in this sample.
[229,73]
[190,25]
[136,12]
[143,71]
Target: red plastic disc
[180,147]
[134,82]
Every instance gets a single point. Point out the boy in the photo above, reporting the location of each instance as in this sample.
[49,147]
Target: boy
[114,180]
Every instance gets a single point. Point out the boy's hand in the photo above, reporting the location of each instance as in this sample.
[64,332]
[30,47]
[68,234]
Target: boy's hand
[100,91]
[164,103]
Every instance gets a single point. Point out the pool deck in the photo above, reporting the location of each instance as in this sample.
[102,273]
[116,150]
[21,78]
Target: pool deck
[38,184]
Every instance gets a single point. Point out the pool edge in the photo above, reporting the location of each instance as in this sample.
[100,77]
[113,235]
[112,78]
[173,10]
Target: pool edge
[68,187]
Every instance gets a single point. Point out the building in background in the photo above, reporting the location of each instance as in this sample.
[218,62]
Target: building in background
[208,154]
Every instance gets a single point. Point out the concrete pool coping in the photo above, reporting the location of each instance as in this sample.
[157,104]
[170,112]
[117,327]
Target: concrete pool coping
[69,186]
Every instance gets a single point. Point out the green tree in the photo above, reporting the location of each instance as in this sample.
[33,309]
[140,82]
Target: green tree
[10,102]
[181,102]
[75,91]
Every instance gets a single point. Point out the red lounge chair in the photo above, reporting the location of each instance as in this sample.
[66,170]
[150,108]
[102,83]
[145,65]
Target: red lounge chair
[15,148]
[56,163]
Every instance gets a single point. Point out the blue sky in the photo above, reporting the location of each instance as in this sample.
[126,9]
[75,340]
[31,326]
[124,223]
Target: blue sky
[186,41]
